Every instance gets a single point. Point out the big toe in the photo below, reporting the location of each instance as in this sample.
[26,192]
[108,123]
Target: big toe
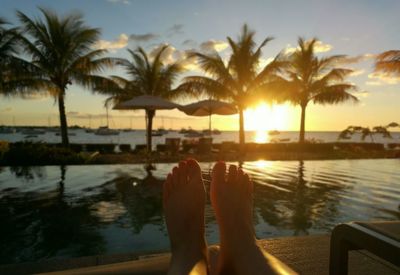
[218,173]
[194,170]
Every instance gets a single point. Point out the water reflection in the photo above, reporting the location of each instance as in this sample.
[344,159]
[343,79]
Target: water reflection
[142,200]
[37,225]
[295,205]
[28,172]
[74,211]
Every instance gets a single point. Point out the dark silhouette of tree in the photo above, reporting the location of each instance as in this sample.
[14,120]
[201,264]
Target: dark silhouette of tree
[309,78]
[61,53]
[146,77]
[239,79]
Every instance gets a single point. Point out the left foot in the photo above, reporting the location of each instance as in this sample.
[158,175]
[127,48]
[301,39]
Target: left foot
[184,199]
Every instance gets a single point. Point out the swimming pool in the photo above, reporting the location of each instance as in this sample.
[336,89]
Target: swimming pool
[72,211]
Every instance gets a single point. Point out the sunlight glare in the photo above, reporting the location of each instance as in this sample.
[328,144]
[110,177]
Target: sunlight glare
[262,164]
[266,118]
[261,136]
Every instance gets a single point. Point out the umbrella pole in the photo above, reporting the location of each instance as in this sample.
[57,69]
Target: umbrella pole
[209,123]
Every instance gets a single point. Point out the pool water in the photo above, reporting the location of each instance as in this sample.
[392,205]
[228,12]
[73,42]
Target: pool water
[72,211]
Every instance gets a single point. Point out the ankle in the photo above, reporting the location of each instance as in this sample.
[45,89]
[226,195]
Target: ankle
[190,248]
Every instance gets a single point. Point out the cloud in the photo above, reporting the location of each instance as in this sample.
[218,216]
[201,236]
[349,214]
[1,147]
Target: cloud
[363,94]
[380,78]
[72,113]
[167,56]
[264,62]
[289,49]
[189,42]
[358,58]
[75,114]
[319,47]
[119,43]
[125,2]
[35,95]
[213,45]
[6,110]
[171,55]
[374,83]
[357,72]
[175,29]
[146,37]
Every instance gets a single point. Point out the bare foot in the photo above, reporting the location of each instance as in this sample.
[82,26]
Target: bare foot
[184,199]
[232,199]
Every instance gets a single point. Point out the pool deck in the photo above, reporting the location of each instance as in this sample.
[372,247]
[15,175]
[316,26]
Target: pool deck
[306,255]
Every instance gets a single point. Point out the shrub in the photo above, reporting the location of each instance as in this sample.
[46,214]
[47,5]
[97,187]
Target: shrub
[125,148]
[29,153]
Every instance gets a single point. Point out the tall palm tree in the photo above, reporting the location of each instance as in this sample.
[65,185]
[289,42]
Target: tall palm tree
[12,67]
[236,80]
[8,50]
[388,62]
[309,78]
[147,76]
[61,53]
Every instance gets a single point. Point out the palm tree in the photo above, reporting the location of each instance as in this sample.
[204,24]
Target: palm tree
[11,66]
[61,54]
[308,78]
[147,77]
[8,49]
[239,79]
[388,62]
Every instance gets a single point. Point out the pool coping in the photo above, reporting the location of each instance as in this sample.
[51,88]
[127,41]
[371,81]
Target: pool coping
[304,254]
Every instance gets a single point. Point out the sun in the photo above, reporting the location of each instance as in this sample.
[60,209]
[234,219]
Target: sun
[264,118]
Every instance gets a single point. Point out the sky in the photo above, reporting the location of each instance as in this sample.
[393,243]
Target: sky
[357,28]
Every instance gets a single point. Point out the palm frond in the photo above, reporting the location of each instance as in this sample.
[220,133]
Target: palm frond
[335,94]
[388,62]
[200,86]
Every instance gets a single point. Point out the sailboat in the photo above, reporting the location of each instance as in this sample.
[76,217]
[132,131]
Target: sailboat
[105,130]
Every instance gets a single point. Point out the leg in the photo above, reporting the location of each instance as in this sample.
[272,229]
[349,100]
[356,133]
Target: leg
[184,200]
[232,199]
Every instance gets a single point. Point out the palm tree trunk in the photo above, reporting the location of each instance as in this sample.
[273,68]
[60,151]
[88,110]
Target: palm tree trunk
[150,115]
[302,123]
[63,120]
[241,129]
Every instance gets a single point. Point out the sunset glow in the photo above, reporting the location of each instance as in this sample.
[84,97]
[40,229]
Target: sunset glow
[265,118]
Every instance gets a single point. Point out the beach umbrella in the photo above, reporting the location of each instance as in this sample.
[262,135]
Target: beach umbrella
[150,104]
[207,108]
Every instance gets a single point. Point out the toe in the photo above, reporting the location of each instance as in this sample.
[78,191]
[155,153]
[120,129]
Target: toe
[167,189]
[241,179]
[218,173]
[233,173]
[249,184]
[175,176]
[182,172]
[193,169]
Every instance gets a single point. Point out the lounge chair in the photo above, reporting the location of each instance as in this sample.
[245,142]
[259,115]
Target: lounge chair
[379,238]
[173,144]
[204,146]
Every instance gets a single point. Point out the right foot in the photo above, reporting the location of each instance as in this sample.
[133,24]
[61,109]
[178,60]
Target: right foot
[232,199]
